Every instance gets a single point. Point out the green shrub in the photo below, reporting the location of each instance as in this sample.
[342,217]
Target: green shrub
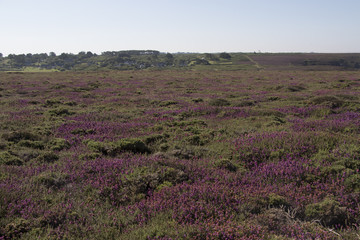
[330,101]
[60,112]
[219,102]
[127,144]
[48,157]
[332,170]
[296,88]
[168,103]
[51,179]
[97,146]
[8,159]
[51,102]
[154,138]
[59,144]
[16,228]
[197,100]
[327,211]
[195,140]
[32,144]
[3,145]
[89,156]
[352,183]
[245,103]
[165,184]
[164,147]
[133,145]
[17,136]
[277,201]
[226,164]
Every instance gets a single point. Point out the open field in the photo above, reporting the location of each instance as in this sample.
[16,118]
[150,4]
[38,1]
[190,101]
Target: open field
[191,154]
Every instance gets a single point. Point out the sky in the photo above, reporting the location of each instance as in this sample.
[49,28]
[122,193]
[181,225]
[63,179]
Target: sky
[71,26]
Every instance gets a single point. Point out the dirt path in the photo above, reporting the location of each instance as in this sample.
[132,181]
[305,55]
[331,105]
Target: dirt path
[257,65]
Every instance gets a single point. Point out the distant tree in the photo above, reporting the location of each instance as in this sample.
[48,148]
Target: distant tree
[1,55]
[169,59]
[211,57]
[169,56]
[52,54]
[225,55]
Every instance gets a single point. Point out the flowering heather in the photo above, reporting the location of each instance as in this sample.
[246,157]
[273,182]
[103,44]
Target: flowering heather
[180,155]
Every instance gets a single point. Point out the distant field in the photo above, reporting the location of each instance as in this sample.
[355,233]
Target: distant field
[252,147]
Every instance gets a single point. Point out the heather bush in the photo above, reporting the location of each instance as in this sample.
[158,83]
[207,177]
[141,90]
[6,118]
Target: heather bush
[219,102]
[16,228]
[3,145]
[31,144]
[7,158]
[53,180]
[59,144]
[17,136]
[47,157]
[352,183]
[328,211]
[330,101]
[133,145]
[60,111]
[122,145]
[227,164]
[277,201]
[296,88]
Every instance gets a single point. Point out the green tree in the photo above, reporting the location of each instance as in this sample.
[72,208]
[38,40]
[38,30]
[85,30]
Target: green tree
[225,55]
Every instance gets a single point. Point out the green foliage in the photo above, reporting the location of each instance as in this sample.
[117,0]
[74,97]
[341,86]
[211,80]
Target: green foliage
[334,170]
[51,179]
[60,111]
[47,157]
[58,144]
[17,136]
[226,164]
[330,101]
[3,145]
[82,132]
[51,102]
[89,156]
[97,146]
[134,145]
[7,158]
[112,148]
[328,211]
[276,200]
[225,55]
[32,144]
[352,183]
[219,102]
[16,228]
[296,88]
[155,138]
[168,103]
[165,184]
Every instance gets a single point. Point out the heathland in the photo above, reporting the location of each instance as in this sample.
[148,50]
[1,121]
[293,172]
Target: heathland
[230,146]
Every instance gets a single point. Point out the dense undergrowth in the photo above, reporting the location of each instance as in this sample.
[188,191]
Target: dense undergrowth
[180,155]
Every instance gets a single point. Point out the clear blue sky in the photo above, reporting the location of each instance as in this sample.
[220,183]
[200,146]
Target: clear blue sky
[71,26]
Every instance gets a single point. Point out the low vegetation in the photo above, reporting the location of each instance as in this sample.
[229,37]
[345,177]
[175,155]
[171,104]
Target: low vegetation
[200,153]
